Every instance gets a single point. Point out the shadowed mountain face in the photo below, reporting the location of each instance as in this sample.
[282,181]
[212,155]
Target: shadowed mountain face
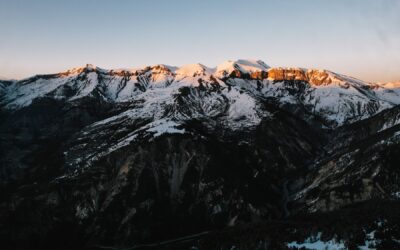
[91,158]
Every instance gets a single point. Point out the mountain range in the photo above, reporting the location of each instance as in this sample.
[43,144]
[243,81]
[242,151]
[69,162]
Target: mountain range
[242,155]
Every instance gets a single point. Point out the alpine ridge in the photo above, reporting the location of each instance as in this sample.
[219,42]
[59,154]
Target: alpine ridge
[242,154]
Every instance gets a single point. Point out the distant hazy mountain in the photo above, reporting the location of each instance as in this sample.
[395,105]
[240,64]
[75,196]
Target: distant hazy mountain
[2,78]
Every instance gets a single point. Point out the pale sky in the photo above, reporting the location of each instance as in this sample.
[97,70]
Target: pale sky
[360,38]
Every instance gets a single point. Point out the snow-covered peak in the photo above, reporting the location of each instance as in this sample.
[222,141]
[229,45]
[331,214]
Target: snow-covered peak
[240,67]
[193,75]
[193,70]
[78,70]
[90,66]
[252,65]
[389,85]
[161,68]
[159,74]
[331,95]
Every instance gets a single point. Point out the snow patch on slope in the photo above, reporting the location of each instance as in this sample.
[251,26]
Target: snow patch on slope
[87,86]
[242,110]
[315,243]
[165,126]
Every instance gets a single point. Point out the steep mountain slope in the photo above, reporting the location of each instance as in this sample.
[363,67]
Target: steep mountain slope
[124,157]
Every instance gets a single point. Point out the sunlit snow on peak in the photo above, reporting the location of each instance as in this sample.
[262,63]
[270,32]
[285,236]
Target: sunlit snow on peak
[192,70]
[242,65]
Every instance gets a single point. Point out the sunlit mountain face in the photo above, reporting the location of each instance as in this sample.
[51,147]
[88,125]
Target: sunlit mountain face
[240,156]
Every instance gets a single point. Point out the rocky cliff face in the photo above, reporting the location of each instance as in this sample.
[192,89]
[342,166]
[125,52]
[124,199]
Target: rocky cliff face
[94,158]
[312,76]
